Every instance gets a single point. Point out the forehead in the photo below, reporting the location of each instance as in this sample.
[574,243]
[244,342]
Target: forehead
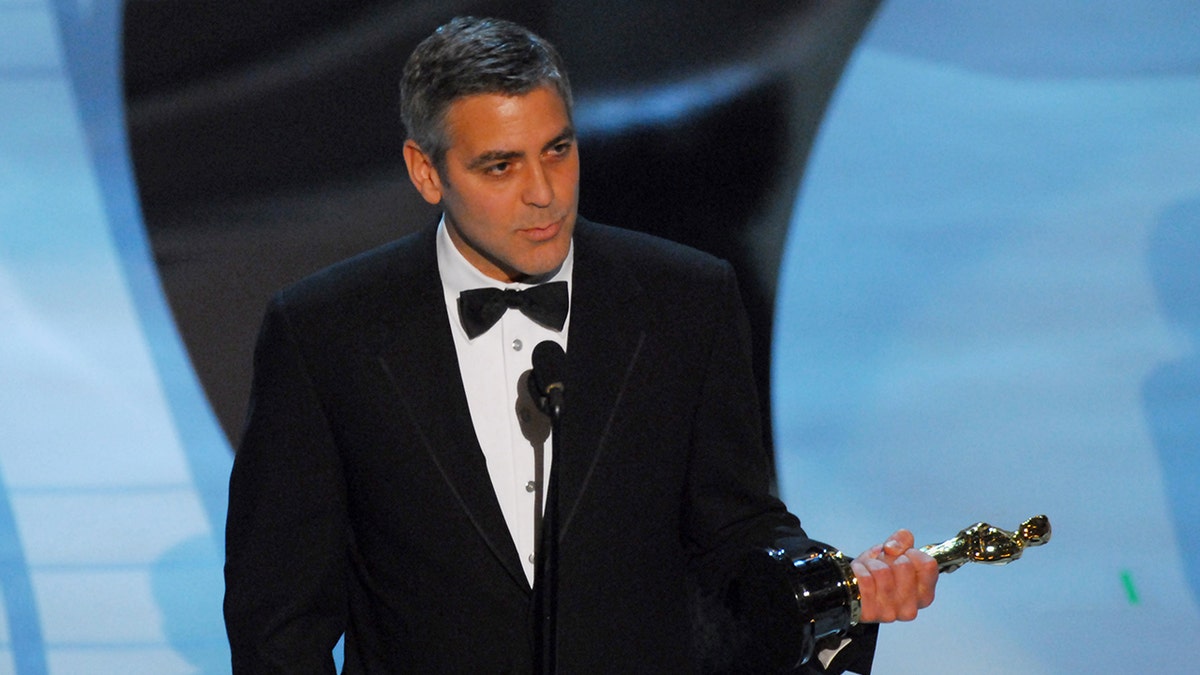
[487,122]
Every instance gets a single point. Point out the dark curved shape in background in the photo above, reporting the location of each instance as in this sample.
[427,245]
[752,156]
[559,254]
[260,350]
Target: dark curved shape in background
[266,142]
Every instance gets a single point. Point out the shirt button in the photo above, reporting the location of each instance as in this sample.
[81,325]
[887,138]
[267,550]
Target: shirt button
[531,486]
[516,345]
[531,558]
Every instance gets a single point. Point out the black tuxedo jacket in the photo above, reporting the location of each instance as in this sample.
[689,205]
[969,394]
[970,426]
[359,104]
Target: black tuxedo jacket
[360,501]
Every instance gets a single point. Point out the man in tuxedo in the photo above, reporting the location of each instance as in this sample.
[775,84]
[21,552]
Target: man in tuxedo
[390,483]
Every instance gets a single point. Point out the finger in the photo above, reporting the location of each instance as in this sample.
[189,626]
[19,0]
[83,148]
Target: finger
[873,552]
[866,590]
[927,576]
[891,550]
[900,541]
[905,589]
[895,545]
[866,583]
[883,590]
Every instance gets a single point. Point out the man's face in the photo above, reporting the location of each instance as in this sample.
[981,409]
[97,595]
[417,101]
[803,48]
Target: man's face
[509,184]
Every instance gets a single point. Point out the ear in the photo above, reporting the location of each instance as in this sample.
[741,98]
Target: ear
[422,172]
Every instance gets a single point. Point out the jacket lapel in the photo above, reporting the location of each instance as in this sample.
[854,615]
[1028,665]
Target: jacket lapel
[607,333]
[424,373]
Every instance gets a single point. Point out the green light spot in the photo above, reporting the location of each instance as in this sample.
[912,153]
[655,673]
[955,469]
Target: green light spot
[1130,589]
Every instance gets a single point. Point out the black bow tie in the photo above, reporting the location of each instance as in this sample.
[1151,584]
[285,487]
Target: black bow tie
[481,308]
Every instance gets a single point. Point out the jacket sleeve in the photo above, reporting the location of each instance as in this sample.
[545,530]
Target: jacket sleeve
[729,501]
[286,528]
[731,508]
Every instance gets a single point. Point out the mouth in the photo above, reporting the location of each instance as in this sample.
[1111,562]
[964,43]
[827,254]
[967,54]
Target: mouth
[544,232]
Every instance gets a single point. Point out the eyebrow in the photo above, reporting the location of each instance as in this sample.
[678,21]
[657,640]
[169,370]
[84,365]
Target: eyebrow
[567,134]
[493,156]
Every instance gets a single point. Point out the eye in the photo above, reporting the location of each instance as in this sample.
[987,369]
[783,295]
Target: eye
[561,149]
[498,169]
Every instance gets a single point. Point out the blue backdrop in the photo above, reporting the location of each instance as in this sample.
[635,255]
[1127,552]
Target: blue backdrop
[113,468]
[989,308]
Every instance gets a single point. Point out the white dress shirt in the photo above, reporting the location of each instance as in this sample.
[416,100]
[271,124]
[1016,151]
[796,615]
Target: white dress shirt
[513,433]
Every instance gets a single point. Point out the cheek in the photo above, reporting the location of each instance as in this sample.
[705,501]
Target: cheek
[482,209]
[566,189]
[496,210]
[568,173]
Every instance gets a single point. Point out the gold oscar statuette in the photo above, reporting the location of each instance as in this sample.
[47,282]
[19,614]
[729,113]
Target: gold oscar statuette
[988,544]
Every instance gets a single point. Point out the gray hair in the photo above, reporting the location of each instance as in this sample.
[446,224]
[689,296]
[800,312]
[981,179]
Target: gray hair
[469,56]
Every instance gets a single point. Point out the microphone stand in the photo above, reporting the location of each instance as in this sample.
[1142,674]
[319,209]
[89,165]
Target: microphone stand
[546,573]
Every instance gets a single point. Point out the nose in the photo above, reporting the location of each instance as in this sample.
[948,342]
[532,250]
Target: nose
[538,190]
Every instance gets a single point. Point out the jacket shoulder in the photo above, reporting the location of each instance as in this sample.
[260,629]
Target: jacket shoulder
[649,257]
[388,269]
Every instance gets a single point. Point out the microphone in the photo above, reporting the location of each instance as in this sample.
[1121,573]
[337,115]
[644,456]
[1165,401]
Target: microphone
[546,380]
[546,386]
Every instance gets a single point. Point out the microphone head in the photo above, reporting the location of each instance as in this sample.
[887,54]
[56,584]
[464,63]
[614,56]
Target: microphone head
[549,364]
[546,379]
